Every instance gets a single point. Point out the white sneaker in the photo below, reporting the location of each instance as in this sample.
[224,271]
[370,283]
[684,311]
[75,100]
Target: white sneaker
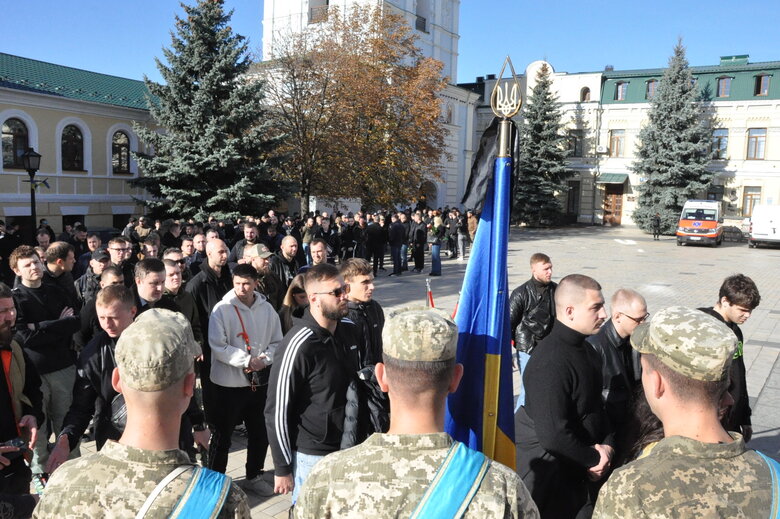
[258,485]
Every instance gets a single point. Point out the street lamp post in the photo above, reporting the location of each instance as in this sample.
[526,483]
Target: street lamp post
[32,162]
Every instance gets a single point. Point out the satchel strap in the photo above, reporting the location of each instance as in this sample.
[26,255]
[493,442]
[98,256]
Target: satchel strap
[454,485]
[774,469]
[175,473]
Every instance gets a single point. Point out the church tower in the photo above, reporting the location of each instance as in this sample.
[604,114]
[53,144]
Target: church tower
[434,21]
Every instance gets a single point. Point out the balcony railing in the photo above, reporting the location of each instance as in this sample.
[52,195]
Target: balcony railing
[318,14]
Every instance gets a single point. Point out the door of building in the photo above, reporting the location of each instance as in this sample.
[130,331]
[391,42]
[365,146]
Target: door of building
[613,204]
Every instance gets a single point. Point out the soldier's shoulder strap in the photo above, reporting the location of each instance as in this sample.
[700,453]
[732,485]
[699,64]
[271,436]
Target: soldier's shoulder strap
[454,485]
[204,496]
[774,469]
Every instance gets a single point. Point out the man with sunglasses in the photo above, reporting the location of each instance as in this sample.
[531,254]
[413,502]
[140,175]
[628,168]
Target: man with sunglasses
[307,390]
[620,370]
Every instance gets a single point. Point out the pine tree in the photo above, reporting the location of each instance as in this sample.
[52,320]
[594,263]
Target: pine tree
[213,155]
[541,169]
[674,148]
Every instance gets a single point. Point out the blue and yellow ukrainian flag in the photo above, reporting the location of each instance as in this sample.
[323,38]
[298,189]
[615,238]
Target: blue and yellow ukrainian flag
[480,413]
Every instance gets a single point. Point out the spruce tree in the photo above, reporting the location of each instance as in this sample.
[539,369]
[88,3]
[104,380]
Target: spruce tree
[541,169]
[212,155]
[674,148]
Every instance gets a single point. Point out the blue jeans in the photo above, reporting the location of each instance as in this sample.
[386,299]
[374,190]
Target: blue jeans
[404,257]
[522,362]
[435,259]
[302,465]
[307,253]
[395,254]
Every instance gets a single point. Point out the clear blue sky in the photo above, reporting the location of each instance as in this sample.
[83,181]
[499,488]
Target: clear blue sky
[122,38]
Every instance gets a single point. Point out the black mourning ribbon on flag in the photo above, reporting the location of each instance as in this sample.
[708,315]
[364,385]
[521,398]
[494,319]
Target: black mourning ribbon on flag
[482,168]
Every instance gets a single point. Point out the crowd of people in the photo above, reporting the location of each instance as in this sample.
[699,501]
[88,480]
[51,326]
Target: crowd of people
[619,414]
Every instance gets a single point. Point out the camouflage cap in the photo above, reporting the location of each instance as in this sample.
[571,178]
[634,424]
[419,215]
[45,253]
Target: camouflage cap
[420,334]
[157,350]
[257,249]
[688,341]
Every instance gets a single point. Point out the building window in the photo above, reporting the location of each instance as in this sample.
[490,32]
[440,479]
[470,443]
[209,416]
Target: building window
[72,149]
[584,95]
[751,196]
[620,91]
[756,143]
[617,143]
[762,86]
[318,11]
[720,143]
[652,85]
[575,143]
[724,86]
[15,143]
[120,153]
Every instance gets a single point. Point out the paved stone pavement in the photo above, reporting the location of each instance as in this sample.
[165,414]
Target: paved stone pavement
[617,257]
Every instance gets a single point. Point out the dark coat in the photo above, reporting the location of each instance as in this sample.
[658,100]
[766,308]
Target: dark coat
[531,314]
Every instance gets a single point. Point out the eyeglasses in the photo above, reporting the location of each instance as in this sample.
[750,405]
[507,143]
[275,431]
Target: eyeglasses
[336,292]
[636,320]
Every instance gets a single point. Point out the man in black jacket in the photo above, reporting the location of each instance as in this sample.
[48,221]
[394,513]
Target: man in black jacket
[368,316]
[208,287]
[89,284]
[283,263]
[397,239]
[737,298]
[309,378]
[620,370]
[563,436]
[251,237]
[93,390]
[45,325]
[532,312]
[418,236]
[60,260]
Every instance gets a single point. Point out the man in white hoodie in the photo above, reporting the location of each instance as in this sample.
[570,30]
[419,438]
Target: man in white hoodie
[243,333]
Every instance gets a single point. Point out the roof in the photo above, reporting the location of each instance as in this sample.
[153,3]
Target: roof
[71,83]
[705,69]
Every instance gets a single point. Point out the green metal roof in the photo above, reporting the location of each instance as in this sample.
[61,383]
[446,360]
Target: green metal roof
[742,84]
[71,83]
[611,178]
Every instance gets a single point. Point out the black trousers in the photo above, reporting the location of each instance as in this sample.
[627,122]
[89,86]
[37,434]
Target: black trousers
[239,405]
[418,253]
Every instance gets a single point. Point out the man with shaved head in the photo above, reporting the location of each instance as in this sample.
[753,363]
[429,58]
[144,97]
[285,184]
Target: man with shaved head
[283,263]
[208,287]
[620,370]
[564,440]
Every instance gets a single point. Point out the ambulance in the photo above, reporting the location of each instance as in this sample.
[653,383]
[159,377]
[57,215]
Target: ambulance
[701,221]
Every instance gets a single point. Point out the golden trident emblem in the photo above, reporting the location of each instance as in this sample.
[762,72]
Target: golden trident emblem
[504,101]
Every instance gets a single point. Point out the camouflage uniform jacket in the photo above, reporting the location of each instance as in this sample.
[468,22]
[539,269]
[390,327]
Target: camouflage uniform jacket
[387,475]
[682,477]
[116,481]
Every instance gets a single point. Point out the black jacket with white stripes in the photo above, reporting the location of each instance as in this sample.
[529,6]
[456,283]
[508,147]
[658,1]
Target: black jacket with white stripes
[307,390]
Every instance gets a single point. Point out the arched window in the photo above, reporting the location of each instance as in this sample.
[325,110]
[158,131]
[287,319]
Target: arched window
[120,153]
[72,149]
[15,143]
[584,95]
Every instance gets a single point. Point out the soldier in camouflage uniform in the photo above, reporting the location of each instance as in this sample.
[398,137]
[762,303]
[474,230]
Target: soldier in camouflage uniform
[155,359]
[387,475]
[698,469]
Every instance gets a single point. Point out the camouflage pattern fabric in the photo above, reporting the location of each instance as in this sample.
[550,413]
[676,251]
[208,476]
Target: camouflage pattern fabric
[387,475]
[420,334]
[157,350]
[685,478]
[690,342]
[116,481]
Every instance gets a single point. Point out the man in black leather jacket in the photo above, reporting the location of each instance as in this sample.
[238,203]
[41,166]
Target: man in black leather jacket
[532,312]
[620,369]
